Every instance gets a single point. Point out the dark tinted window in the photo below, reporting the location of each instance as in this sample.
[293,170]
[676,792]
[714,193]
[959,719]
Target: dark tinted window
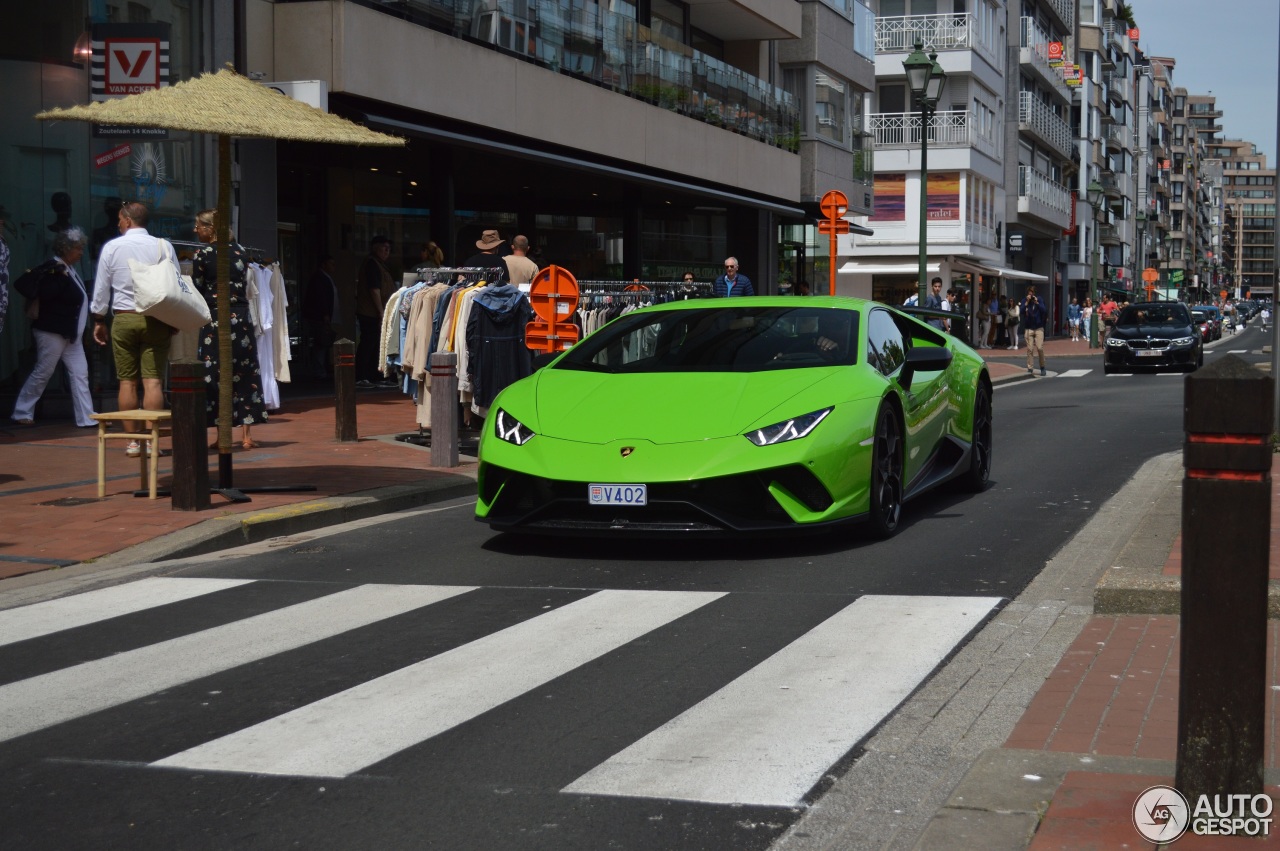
[886,350]
[1170,313]
[719,339]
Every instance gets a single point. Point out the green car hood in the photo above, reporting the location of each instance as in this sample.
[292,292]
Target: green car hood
[591,407]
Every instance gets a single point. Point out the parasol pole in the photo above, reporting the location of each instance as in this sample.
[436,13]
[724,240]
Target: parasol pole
[224,311]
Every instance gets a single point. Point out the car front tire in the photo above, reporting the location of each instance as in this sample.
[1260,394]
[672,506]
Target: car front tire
[887,457]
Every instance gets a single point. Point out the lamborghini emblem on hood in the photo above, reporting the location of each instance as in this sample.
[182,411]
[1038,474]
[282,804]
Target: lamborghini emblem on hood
[627,450]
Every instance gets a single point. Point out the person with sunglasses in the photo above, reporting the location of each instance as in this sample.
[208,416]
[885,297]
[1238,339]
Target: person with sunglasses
[731,283]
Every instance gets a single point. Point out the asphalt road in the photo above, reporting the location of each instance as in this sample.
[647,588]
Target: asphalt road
[419,682]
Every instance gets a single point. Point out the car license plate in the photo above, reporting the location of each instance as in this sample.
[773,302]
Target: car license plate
[1149,353]
[618,494]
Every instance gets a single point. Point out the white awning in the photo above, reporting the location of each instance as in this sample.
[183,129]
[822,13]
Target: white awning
[868,268]
[1019,275]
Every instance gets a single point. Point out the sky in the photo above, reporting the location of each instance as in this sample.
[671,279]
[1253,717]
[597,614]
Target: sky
[1212,40]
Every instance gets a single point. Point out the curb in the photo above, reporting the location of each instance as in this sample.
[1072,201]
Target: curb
[222,533]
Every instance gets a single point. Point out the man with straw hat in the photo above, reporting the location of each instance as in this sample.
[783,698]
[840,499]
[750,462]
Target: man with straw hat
[488,243]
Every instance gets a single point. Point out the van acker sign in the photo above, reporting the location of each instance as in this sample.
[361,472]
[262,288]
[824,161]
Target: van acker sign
[127,59]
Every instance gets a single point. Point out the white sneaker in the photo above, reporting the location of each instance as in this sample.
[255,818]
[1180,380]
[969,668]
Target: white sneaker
[133,450]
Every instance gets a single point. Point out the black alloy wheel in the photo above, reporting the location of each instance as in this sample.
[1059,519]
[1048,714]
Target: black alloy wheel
[887,456]
[977,477]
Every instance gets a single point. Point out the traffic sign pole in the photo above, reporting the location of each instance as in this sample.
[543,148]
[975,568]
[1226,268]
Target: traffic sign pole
[834,205]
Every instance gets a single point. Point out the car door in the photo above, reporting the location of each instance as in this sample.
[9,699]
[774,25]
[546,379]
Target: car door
[924,402]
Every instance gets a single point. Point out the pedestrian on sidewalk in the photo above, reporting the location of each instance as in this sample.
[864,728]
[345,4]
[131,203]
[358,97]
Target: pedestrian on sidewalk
[1034,317]
[1086,315]
[139,344]
[248,405]
[1013,319]
[375,285]
[984,321]
[732,283]
[1074,313]
[61,307]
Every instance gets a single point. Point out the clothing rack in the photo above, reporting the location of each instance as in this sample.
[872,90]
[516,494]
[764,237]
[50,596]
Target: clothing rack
[440,274]
[644,290]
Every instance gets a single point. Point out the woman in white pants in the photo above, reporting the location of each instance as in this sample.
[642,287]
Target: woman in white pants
[58,327]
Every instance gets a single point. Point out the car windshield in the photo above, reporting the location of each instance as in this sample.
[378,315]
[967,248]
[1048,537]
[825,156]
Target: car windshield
[1199,316]
[719,339]
[1154,314]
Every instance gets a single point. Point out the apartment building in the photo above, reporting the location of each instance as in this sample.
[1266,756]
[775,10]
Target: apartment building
[1000,149]
[1248,219]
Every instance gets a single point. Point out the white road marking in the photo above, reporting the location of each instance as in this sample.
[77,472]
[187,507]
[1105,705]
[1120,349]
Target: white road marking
[1074,373]
[352,729]
[1120,375]
[39,702]
[767,737]
[1238,352]
[94,606]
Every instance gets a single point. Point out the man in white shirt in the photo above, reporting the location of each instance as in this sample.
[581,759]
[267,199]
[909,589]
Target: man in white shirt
[520,268]
[139,344]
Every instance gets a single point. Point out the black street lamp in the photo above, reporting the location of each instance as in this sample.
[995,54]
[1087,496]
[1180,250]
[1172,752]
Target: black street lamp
[1094,194]
[925,78]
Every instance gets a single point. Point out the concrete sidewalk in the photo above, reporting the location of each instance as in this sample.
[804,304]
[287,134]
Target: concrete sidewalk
[1089,733]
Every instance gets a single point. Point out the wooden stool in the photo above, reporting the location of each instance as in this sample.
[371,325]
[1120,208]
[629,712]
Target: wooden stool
[150,441]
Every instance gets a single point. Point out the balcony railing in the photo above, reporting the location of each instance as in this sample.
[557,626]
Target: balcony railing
[1044,122]
[613,51]
[1066,11]
[948,129]
[1036,42]
[939,32]
[1036,186]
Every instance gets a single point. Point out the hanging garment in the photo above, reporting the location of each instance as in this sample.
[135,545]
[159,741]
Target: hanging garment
[495,339]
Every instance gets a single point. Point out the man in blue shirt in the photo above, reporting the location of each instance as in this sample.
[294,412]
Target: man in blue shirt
[731,283]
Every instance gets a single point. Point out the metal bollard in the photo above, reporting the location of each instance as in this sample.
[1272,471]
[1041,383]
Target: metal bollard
[344,389]
[190,488]
[444,409]
[1226,520]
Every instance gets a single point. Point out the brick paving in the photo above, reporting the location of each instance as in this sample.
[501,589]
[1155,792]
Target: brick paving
[48,487]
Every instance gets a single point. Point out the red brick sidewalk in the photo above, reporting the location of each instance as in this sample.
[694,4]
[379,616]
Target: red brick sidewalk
[1115,693]
[48,479]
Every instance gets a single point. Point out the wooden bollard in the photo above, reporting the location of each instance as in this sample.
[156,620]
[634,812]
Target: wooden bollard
[1226,537]
[444,409]
[190,488]
[344,388]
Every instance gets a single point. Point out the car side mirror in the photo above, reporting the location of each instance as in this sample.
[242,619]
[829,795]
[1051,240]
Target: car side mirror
[923,359]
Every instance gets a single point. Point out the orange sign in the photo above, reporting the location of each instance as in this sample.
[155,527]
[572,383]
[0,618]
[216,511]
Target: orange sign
[1055,50]
[1133,34]
[834,205]
[1150,275]
[553,294]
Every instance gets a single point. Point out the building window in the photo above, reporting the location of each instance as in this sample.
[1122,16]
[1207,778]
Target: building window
[830,106]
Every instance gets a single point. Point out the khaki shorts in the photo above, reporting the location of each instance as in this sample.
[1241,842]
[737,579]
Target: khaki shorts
[139,343]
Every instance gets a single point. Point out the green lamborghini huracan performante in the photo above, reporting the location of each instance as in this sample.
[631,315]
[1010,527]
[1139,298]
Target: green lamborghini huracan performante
[742,415]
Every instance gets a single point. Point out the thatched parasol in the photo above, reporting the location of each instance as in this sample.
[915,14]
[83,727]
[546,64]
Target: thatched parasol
[229,105]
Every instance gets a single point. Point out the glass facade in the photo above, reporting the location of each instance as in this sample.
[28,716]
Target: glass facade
[57,174]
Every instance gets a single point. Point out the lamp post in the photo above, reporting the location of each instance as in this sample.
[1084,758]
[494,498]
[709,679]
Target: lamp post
[1094,194]
[925,78]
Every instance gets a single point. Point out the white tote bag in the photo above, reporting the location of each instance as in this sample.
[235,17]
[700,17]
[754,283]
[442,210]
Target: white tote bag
[161,291]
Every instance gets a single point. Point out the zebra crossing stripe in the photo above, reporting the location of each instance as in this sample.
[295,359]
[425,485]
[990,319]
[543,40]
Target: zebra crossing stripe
[1074,373]
[767,737]
[353,729]
[39,702]
[94,606]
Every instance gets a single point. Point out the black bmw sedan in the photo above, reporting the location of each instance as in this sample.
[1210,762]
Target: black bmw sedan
[1154,335]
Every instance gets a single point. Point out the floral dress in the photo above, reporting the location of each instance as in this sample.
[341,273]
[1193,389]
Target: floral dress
[247,406]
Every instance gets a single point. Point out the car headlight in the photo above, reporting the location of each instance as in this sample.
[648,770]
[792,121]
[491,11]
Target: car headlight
[508,428]
[1116,343]
[792,429]
[1185,341]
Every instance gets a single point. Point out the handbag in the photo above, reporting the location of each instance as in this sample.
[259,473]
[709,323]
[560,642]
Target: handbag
[162,292]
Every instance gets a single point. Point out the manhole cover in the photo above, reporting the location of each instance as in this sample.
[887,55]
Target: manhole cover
[72,500]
